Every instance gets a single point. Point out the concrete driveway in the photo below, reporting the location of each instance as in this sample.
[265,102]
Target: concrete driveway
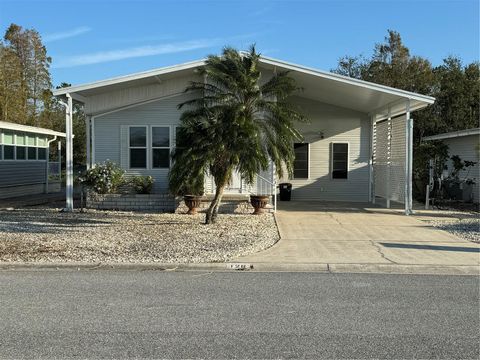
[351,233]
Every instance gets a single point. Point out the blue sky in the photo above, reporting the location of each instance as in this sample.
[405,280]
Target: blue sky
[93,40]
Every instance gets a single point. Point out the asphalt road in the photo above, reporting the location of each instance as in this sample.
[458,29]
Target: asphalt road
[154,314]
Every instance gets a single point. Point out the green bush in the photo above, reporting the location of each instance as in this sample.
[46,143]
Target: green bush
[104,178]
[141,184]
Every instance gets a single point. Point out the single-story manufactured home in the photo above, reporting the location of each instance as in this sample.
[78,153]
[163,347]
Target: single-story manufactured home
[24,160]
[357,146]
[466,145]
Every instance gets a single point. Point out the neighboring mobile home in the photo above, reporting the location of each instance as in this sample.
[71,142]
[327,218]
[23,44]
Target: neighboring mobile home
[465,144]
[24,160]
[357,146]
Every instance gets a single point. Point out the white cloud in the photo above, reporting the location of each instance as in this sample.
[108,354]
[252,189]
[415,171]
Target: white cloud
[135,52]
[66,34]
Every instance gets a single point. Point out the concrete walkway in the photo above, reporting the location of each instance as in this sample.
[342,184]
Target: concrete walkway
[336,233]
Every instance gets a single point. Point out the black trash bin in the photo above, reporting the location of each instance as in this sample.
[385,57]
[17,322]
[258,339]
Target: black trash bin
[285,191]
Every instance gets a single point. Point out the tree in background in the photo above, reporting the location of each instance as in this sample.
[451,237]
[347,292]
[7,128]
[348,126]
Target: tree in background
[12,95]
[455,87]
[26,88]
[34,65]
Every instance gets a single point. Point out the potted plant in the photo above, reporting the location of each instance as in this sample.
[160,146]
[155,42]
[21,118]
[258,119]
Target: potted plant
[189,185]
[259,202]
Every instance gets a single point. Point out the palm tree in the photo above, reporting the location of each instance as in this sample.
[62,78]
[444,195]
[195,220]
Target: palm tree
[235,123]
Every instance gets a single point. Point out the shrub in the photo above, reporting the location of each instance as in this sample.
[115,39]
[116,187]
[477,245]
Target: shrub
[141,184]
[103,178]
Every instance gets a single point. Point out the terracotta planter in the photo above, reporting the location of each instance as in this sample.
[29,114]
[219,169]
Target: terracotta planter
[259,202]
[193,203]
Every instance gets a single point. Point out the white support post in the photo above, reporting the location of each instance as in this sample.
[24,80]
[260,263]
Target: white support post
[47,166]
[59,156]
[47,170]
[88,141]
[69,154]
[372,160]
[408,159]
[274,186]
[389,156]
[410,163]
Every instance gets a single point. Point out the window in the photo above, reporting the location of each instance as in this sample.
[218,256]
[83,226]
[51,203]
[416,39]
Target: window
[32,153]
[339,161]
[8,152]
[31,140]
[20,139]
[42,141]
[300,165]
[160,147]
[138,147]
[8,138]
[21,152]
[42,153]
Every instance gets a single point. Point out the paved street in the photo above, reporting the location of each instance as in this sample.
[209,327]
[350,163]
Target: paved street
[145,314]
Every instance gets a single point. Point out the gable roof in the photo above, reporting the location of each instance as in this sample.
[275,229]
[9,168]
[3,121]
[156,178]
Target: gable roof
[318,85]
[453,134]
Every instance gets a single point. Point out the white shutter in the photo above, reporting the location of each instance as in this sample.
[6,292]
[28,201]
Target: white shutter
[124,147]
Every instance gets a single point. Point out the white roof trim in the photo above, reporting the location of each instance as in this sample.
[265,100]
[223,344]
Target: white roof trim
[348,80]
[265,60]
[30,129]
[453,134]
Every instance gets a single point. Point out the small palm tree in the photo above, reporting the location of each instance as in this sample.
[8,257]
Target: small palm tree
[235,123]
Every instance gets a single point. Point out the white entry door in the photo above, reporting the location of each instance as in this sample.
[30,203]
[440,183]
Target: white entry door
[235,186]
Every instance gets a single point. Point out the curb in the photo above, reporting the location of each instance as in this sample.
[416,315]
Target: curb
[253,267]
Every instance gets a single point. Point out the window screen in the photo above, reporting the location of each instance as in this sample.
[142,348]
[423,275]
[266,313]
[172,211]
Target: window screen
[339,161]
[300,165]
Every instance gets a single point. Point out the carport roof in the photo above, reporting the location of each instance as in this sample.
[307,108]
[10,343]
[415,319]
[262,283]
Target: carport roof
[29,129]
[359,95]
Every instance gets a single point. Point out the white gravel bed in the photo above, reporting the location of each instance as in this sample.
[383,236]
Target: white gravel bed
[461,224]
[46,235]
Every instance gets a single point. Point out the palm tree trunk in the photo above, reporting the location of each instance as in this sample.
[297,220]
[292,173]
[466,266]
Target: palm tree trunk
[212,211]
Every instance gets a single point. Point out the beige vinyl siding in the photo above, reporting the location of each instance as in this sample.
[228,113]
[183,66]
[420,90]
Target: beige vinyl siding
[110,134]
[338,125]
[465,148]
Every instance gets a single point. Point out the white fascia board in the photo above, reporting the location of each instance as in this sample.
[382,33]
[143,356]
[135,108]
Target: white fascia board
[453,134]
[30,129]
[131,77]
[348,80]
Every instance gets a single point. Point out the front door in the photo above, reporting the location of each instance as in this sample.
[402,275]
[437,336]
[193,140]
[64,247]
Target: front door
[235,186]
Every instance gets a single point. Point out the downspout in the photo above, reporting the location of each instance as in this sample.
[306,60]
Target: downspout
[47,167]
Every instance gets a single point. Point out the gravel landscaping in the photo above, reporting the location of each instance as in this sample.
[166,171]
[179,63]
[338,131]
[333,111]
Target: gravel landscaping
[46,235]
[465,225]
